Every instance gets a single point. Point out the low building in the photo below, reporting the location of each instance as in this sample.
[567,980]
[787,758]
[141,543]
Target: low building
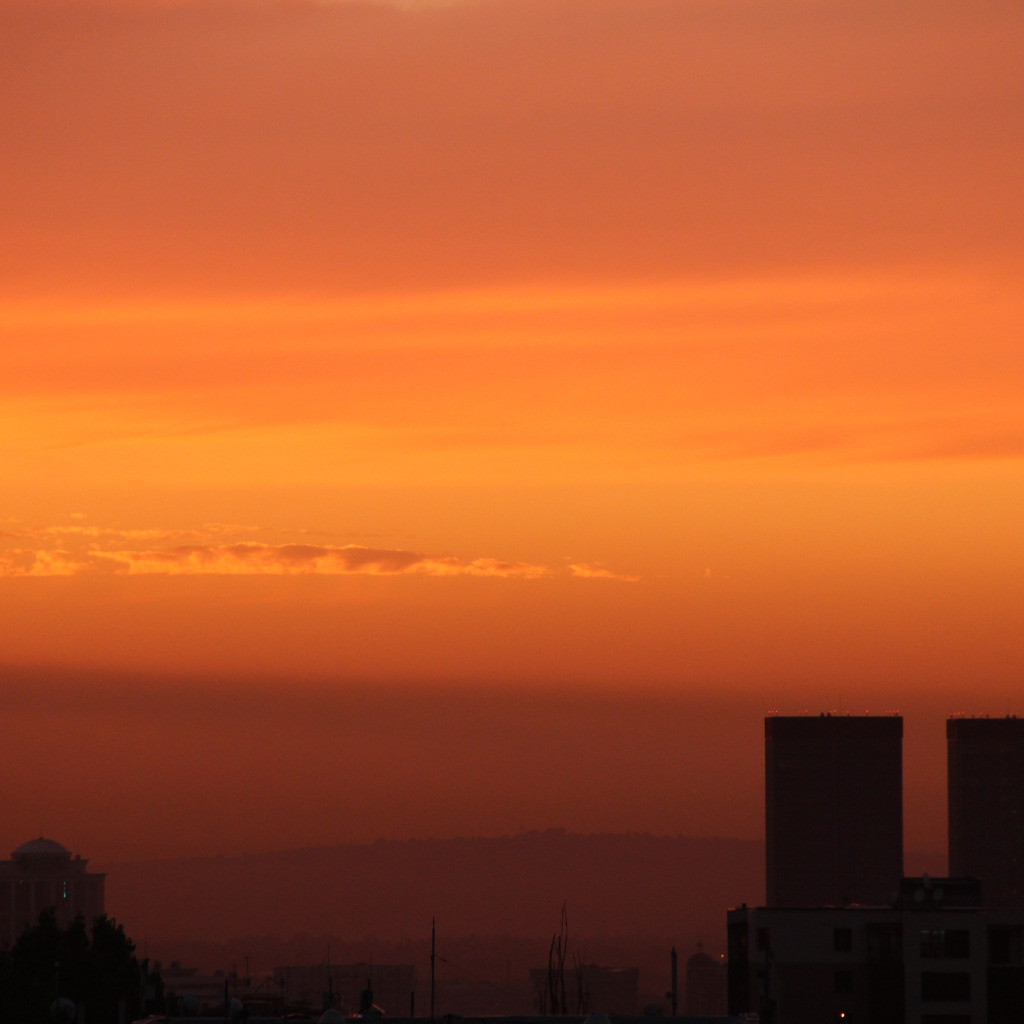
[208,991]
[42,874]
[586,988]
[935,956]
[319,986]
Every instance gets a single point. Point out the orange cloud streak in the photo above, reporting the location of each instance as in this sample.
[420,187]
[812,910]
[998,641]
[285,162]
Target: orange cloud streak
[254,559]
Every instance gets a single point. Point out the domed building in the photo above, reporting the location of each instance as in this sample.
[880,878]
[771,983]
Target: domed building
[40,874]
[705,985]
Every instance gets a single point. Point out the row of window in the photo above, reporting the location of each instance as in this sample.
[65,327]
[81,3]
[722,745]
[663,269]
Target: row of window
[1005,943]
[936,943]
[936,986]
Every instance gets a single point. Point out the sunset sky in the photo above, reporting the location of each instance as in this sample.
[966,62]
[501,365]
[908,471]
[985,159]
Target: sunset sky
[449,418]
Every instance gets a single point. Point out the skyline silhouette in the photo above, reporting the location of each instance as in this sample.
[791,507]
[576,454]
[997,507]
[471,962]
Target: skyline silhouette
[471,419]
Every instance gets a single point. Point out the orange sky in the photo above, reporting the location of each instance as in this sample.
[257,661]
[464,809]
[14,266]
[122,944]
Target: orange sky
[655,355]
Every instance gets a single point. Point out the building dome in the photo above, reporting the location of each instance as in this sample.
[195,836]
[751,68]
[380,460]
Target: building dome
[700,961]
[41,845]
[41,851]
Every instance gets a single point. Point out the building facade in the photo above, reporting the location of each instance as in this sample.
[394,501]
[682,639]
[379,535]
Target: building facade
[985,767]
[926,961]
[42,874]
[833,809]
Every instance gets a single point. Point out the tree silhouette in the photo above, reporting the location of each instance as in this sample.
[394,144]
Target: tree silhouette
[96,969]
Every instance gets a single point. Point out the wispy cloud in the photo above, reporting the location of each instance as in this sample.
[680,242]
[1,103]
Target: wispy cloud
[595,572]
[70,557]
[307,559]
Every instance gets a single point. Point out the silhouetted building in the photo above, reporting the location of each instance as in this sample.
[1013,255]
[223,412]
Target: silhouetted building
[985,765]
[925,951]
[934,957]
[834,809]
[705,992]
[42,874]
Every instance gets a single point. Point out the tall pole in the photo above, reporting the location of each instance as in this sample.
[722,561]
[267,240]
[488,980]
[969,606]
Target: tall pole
[433,956]
[675,983]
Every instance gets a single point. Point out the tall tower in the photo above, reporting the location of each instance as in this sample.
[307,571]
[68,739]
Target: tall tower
[834,809]
[985,766]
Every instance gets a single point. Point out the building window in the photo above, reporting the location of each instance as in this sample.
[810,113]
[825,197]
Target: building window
[764,939]
[951,943]
[945,987]
[958,943]
[842,981]
[1004,944]
[842,940]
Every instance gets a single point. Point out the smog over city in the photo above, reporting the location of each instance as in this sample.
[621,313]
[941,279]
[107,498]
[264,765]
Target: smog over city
[438,439]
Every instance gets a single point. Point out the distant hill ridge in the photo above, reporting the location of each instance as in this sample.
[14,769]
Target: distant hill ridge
[632,885]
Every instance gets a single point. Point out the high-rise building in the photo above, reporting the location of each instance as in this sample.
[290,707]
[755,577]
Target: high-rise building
[42,874]
[985,765]
[926,951]
[834,809]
